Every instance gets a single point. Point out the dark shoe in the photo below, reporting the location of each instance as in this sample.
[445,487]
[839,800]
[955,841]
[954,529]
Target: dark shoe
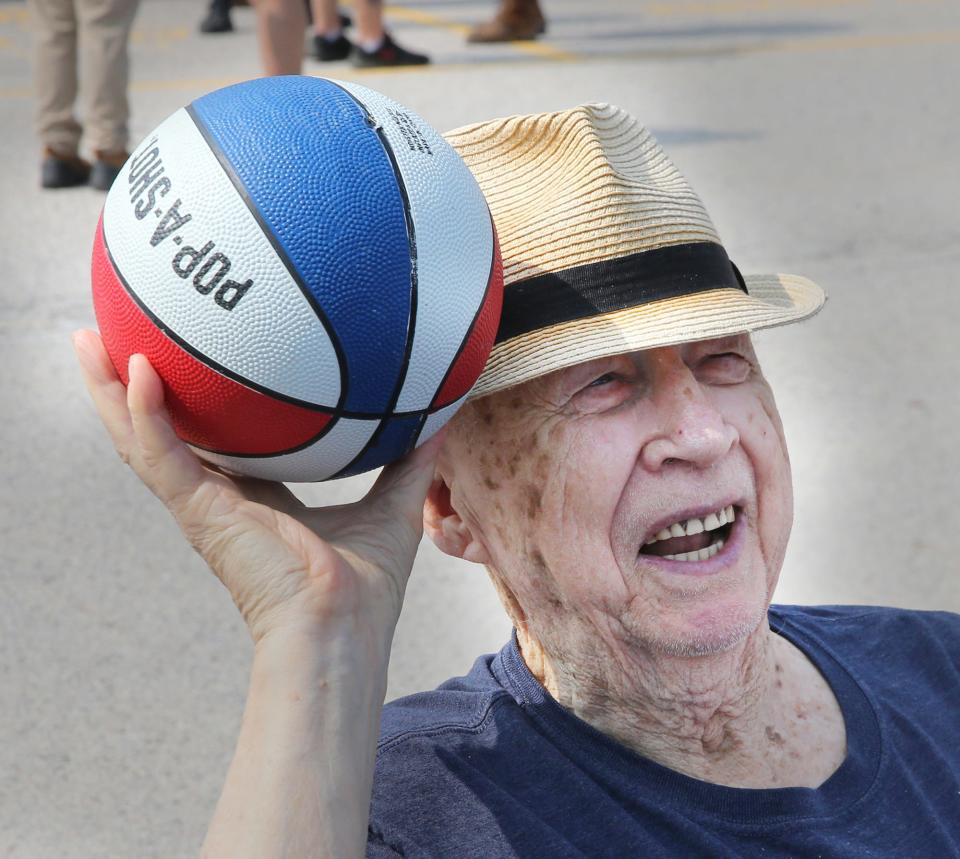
[515,20]
[63,171]
[106,168]
[327,52]
[216,21]
[388,54]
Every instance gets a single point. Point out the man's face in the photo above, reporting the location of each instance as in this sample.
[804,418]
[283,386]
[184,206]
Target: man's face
[565,480]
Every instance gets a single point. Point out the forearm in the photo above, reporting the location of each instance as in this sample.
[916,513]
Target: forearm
[300,781]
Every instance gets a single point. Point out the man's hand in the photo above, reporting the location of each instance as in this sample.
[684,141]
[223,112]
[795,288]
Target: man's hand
[289,568]
[319,589]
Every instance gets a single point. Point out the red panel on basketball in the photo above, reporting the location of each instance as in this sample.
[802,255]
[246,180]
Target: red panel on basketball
[469,363]
[208,409]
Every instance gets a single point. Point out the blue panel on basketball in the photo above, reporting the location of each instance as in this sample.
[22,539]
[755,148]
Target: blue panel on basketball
[397,437]
[304,154]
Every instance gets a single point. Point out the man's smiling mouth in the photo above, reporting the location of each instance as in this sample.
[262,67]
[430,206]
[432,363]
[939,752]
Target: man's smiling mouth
[695,539]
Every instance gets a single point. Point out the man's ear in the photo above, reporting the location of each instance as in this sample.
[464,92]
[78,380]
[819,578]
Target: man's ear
[448,531]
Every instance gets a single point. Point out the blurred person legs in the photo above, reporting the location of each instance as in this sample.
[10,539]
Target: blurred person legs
[104,74]
[55,82]
[373,45]
[280,25]
[329,42]
[513,21]
[101,28]
[217,19]
[344,18]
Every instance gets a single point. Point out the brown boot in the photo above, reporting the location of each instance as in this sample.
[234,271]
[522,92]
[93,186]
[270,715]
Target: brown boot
[515,20]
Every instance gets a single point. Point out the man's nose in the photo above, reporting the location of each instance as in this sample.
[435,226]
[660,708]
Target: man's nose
[689,426]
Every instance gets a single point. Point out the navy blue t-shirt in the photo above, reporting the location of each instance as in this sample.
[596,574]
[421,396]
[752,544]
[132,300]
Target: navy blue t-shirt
[489,765]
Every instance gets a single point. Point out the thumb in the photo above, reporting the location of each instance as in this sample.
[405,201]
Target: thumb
[402,486]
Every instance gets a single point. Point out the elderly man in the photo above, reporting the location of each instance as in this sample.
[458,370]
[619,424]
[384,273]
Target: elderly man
[621,471]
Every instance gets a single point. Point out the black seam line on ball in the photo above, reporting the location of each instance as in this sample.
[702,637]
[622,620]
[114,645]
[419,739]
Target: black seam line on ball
[292,270]
[473,324]
[415,438]
[596,288]
[230,374]
[412,246]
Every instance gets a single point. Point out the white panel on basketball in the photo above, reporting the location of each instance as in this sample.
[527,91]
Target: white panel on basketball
[454,242]
[272,336]
[318,461]
[438,419]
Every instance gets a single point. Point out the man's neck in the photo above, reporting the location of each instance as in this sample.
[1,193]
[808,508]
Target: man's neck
[756,715]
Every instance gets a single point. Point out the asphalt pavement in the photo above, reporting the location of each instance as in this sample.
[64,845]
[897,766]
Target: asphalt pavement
[822,136]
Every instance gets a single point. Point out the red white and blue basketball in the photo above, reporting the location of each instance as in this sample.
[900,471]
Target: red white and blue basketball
[311,269]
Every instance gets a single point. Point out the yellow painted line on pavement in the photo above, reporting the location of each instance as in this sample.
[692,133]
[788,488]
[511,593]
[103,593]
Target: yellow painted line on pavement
[17,15]
[159,36]
[429,19]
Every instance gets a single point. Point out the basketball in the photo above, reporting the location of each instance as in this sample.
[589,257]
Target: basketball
[310,268]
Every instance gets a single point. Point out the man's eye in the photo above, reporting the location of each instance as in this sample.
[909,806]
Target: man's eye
[725,368]
[605,379]
[604,392]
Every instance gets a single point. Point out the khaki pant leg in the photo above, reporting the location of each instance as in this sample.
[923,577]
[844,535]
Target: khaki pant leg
[105,70]
[55,73]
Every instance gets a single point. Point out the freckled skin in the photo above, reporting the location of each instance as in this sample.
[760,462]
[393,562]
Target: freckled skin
[533,502]
[679,669]
[570,470]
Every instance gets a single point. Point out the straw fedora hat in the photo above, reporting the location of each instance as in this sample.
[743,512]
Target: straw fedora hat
[606,248]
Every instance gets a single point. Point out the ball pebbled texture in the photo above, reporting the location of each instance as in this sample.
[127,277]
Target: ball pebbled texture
[317,174]
[310,267]
[208,409]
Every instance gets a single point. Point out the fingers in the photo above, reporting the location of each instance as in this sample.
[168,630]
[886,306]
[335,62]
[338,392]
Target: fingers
[165,463]
[138,423]
[404,484]
[108,393]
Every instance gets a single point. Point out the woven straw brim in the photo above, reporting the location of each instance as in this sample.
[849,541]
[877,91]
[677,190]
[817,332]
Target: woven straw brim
[590,187]
[775,299]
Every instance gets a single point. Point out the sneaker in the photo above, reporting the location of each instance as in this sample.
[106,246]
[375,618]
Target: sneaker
[58,170]
[388,54]
[106,168]
[327,52]
[216,21]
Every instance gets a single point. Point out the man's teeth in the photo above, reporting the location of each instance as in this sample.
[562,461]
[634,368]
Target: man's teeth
[712,521]
[699,555]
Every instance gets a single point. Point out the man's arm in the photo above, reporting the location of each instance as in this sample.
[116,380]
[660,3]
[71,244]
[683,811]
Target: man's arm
[320,591]
[301,776]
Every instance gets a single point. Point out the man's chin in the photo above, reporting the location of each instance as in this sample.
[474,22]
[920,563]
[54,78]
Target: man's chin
[705,631]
